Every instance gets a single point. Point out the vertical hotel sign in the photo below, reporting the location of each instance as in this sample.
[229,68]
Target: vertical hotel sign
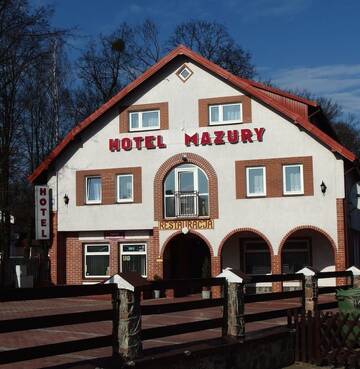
[42,210]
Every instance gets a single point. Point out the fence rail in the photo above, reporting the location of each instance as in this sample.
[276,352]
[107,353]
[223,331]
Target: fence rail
[44,293]
[232,321]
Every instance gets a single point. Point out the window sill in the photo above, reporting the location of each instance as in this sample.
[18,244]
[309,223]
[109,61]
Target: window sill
[144,130]
[293,194]
[95,278]
[224,124]
[125,202]
[189,218]
[256,196]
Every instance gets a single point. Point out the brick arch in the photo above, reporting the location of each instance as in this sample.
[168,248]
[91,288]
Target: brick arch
[171,163]
[313,228]
[175,234]
[241,230]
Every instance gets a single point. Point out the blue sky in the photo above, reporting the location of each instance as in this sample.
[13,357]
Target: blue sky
[312,44]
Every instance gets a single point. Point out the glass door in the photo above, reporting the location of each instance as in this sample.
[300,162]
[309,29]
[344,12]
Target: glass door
[186,190]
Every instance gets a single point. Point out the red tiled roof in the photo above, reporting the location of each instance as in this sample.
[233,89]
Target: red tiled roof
[250,87]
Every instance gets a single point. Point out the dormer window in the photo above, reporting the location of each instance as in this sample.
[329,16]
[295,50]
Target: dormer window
[144,120]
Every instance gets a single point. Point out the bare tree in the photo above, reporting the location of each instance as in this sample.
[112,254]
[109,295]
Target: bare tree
[110,62]
[212,40]
[25,36]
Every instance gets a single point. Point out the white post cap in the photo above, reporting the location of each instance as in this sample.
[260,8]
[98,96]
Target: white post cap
[354,270]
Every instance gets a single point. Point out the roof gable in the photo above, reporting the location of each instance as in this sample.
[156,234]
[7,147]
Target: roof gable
[254,89]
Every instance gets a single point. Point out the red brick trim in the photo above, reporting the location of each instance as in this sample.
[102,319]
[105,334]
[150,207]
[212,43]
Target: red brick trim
[108,184]
[274,175]
[125,110]
[244,100]
[173,162]
[307,227]
[241,230]
[341,261]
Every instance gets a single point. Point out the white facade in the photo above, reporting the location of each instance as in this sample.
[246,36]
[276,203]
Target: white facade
[273,217]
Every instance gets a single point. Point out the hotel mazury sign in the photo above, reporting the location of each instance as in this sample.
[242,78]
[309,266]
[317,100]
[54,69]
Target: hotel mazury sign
[219,137]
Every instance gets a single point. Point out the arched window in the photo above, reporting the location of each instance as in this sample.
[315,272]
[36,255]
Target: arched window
[186,192]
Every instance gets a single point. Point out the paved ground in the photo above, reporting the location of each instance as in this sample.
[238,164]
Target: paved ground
[14,310]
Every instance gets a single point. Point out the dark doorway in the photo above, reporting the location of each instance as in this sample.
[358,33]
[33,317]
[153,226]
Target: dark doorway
[187,256]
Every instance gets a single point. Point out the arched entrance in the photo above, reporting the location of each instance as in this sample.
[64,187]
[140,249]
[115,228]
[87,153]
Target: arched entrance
[307,246]
[186,256]
[246,250]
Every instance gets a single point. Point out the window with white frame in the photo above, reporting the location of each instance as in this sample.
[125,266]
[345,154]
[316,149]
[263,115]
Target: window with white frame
[293,182]
[225,114]
[186,192]
[256,181]
[93,190]
[125,188]
[133,258]
[96,260]
[144,120]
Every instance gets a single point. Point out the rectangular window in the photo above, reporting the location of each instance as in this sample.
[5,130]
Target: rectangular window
[93,190]
[97,260]
[293,183]
[296,254]
[125,188]
[144,120]
[225,114]
[256,181]
[133,258]
[257,258]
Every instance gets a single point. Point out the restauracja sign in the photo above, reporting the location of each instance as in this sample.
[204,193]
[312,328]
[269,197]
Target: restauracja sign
[150,142]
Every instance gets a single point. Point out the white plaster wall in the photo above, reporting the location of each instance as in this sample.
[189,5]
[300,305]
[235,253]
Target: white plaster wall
[274,217]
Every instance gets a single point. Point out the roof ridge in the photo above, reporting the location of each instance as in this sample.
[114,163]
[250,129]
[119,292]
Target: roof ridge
[246,85]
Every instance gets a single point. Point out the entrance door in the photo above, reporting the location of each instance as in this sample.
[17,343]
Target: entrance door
[186,190]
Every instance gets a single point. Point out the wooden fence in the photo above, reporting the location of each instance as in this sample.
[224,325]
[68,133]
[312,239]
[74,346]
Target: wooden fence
[45,293]
[127,310]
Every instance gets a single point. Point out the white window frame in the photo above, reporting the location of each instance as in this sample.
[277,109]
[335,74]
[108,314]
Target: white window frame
[87,201]
[301,191]
[117,188]
[221,121]
[122,253]
[141,128]
[86,253]
[258,194]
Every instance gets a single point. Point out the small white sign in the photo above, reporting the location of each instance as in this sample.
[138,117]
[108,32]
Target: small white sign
[42,210]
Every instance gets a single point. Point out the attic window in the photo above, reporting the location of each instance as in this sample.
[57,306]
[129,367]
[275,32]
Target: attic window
[184,73]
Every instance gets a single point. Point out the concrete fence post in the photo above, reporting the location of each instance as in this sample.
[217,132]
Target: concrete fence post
[356,275]
[129,325]
[311,289]
[235,310]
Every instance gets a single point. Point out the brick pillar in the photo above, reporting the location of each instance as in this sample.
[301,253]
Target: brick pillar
[154,261]
[53,251]
[215,270]
[340,257]
[74,255]
[276,269]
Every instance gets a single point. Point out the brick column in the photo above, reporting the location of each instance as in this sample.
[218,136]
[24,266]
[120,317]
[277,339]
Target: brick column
[340,257]
[215,270]
[53,250]
[154,265]
[276,269]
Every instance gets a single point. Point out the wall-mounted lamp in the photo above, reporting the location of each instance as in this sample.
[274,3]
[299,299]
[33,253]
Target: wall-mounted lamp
[66,199]
[184,157]
[323,187]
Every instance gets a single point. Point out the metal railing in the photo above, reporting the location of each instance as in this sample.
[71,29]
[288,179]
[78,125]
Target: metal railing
[187,204]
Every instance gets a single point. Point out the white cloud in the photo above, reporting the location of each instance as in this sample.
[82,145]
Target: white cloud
[339,82]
